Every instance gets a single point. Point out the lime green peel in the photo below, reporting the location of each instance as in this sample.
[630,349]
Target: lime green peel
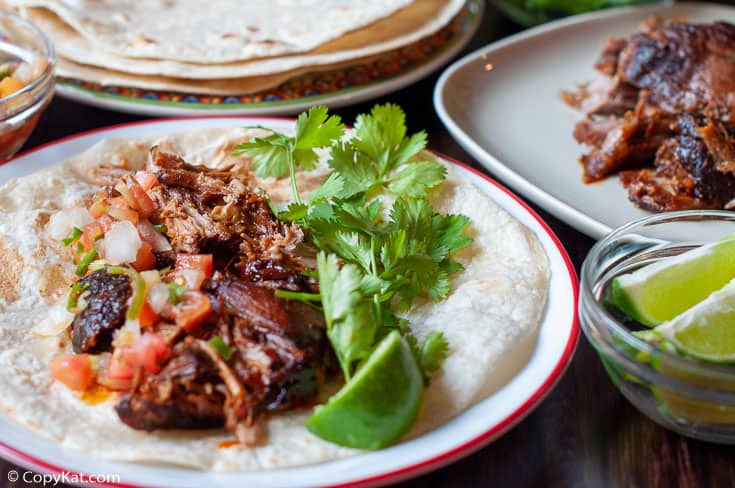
[365,413]
[657,293]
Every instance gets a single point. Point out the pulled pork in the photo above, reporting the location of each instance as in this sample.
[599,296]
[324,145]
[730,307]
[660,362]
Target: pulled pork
[213,211]
[662,111]
[278,353]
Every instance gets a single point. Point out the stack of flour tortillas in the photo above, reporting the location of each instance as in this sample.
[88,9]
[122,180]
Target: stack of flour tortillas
[226,47]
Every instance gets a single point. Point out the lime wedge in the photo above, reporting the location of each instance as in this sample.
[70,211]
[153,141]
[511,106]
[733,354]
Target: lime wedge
[707,330]
[659,292]
[379,404]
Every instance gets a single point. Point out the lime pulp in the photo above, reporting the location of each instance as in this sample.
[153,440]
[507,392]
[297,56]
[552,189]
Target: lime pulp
[661,291]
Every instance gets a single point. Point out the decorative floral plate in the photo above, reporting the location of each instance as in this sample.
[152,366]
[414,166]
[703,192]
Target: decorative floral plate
[335,88]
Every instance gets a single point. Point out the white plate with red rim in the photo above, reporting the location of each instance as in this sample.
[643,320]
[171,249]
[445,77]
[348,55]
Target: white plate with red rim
[469,431]
[502,104]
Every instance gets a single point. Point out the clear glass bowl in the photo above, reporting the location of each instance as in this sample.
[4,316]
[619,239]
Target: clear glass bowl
[19,113]
[532,12]
[694,398]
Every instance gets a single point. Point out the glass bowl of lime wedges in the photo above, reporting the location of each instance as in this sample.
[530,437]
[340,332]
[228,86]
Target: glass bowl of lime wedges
[658,304]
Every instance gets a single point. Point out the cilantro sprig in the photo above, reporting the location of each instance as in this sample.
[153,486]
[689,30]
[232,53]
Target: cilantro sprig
[278,154]
[374,260]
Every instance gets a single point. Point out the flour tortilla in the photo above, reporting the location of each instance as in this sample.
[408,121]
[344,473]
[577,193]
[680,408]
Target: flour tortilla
[217,31]
[419,20]
[223,87]
[490,318]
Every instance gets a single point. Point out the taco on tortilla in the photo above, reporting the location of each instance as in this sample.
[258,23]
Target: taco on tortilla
[163,297]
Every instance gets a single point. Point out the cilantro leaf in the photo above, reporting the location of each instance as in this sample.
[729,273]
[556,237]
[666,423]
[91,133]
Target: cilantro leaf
[348,310]
[356,248]
[381,136]
[295,211]
[268,153]
[368,264]
[331,187]
[449,232]
[409,148]
[419,263]
[415,179]
[355,168]
[378,134]
[316,129]
[352,215]
[433,352]
[381,156]
[278,154]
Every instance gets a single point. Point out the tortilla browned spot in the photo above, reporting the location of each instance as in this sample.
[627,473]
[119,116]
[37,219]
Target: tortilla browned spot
[42,219]
[52,281]
[11,266]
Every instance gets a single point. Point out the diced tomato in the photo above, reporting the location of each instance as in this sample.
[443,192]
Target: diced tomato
[147,316]
[92,232]
[124,191]
[200,262]
[193,308]
[99,207]
[122,366]
[145,259]
[119,202]
[142,202]
[120,210]
[149,351]
[146,179]
[74,370]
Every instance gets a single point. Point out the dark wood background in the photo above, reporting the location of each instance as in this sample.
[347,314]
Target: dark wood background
[585,434]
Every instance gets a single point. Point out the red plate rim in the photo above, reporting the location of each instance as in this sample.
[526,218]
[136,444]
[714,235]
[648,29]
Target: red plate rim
[17,456]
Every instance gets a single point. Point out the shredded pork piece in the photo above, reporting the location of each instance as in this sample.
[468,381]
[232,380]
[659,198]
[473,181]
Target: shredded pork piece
[662,110]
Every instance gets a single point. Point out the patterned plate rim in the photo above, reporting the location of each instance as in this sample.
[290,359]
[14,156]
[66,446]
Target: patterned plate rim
[469,19]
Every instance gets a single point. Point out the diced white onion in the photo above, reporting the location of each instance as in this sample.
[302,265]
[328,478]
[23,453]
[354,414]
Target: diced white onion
[55,322]
[158,297]
[128,334]
[151,278]
[63,222]
[193,278]
[121,243]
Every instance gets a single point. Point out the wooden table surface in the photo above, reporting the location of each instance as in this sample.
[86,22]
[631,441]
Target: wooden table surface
[585,433]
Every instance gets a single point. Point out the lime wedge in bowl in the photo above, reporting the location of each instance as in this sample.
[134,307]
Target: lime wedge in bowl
[707,330]
[379,404]
[661,291]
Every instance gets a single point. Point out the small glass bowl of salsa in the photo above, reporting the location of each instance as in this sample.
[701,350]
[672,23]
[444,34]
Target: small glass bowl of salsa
[689,396]
[27,61]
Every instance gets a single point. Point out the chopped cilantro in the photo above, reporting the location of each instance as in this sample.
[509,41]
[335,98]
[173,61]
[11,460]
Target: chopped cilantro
[86,261]
[433,352]
[222,348]
[76,291]
[139,292]
[97,264]
[74,235]
[175,291]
